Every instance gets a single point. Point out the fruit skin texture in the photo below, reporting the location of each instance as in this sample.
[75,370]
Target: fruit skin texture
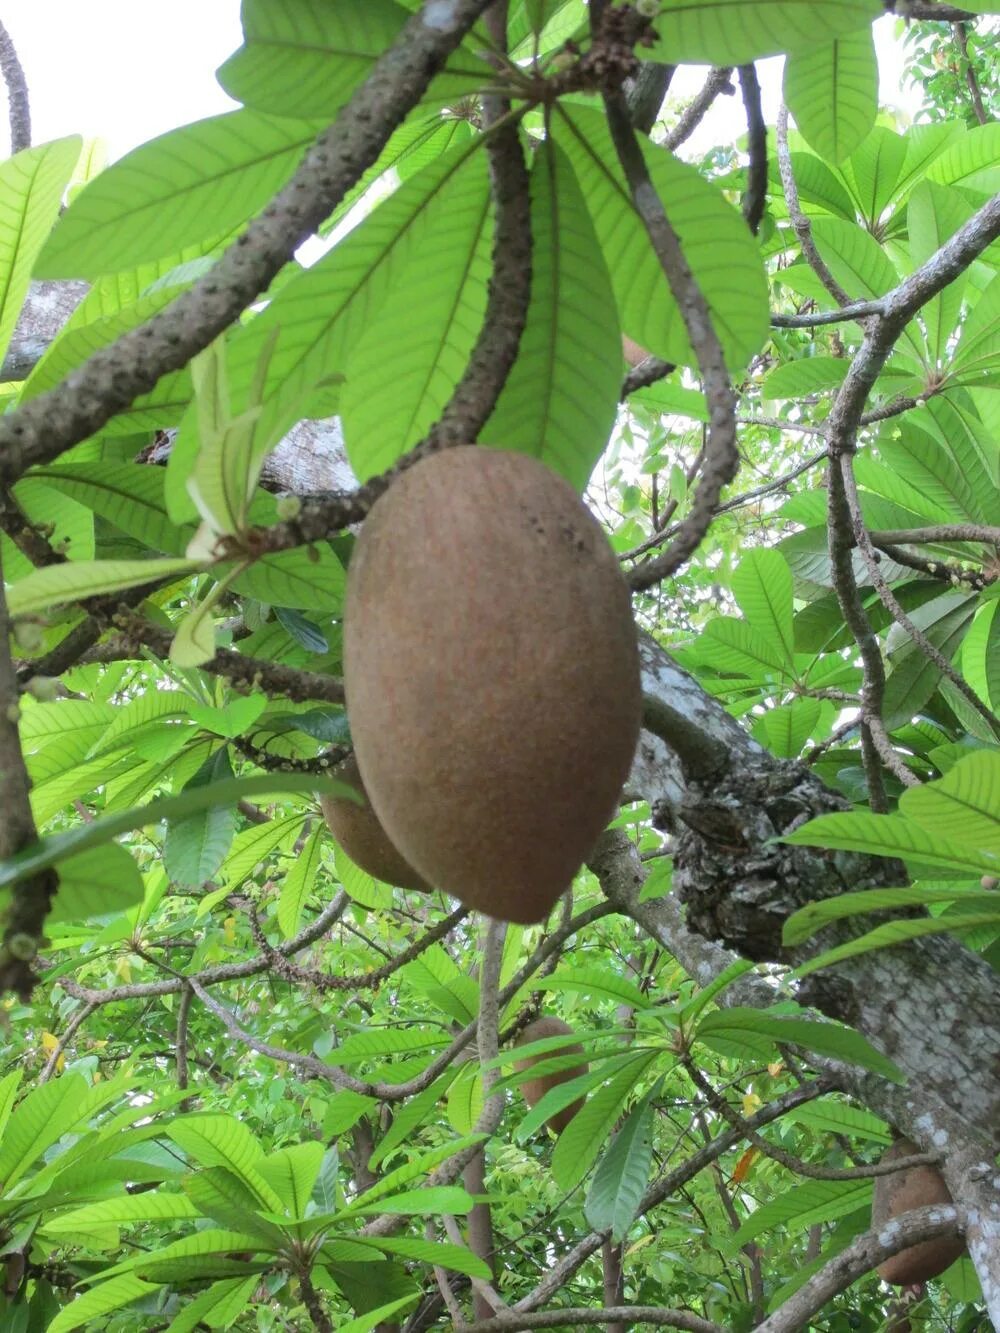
[357,829]
[534,1089]
[900,1193]
[492,676]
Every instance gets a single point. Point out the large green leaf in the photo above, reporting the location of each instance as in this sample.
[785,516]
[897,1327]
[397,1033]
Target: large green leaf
[305,57]
[808,1203]
[722,254]
[762,586]
[914,677]
[54,585]
[893,835]
[52,850]
[927,466]
[727,32]
[191,184]
[732,645]
[321,314]
[784,730]
[933,214]
[310,578]
[299,883]
[113,1295]
[622,1176]
[292,1172]
[31,188]
[560,400]
[425,328]
[972,160]
[222,1140]
[978,347]
[832,1039]
[873,172]
[129,495]
[964,806]
[217,1306]
[582,1139]
[832,91]
[161,407]
[855,258]
[97,882]
[801,379]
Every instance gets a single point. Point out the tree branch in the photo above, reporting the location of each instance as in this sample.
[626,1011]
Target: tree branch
[18,104]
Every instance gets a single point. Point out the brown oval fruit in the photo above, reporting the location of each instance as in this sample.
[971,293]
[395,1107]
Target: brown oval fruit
[492,676]
[900,1193]
[357,829]
[534,1089]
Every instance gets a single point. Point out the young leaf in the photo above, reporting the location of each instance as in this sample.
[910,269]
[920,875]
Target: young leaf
[54,585]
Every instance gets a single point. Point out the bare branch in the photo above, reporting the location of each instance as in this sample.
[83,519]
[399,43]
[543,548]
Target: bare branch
[632,1316]
[18,105]
[755,197]
[800,223]
[695,112]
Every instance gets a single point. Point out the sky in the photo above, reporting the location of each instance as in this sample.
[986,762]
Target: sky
[125,71]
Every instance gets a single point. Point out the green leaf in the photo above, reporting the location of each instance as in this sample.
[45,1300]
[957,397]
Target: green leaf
[220,1194]
[725,32]
[964,806]
[40,1119]
[832,91]
[55,585]
[292,1172]
[913,677]
[255,845]
[425,328]
[808,1203]
[892,835]
[95,883]
[583,1137]
[827,1038]
[222,1140]
[561,398]
[784,730]
[344,1110]
[303,59]
[622,1176]
[432,1199]
[113,1295]
[310,578]
[972,160]
[722,254]
[875,172]
[897,932]
[934,214]
[979,342]
[123,1211]
[762,586]
[802,379]
[814,916]
[31,189]
[191,184]
[321,314]
[383,1314]
[129,495]
[855,258]
[217,1306]
[454,1257]
[732,645]
[56,848]
[595,980]
[196,845]
[299,882]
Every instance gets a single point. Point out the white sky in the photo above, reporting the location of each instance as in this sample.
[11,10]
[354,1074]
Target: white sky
[125,71]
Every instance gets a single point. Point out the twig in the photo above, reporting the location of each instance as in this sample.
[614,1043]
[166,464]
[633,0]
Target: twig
[114,376]
[632,1316]
[800,223]
[181,1051]
[891,603]
[789,1160]
[755,197]
[941,532]
[78,1019]
[18,104]
[972,83]
[695,112]
[721,457]
[854,310]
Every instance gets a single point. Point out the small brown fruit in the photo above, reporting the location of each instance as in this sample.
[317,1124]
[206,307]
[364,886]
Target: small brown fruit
[534,1089]
[362,837]
[634,354]
[492,676]
[899,1193]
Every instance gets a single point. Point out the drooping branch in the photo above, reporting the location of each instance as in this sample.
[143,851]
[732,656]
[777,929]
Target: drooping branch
[114,376]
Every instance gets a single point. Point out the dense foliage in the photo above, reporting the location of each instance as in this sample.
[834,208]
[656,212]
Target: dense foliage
[240,1084]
